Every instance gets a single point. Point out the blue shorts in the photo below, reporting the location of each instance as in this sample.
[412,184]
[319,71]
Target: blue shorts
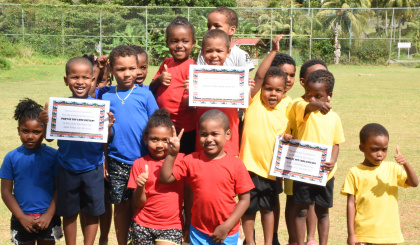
[80,192]
[198,237]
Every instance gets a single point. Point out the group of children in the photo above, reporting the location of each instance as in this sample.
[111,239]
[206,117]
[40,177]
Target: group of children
[173,173]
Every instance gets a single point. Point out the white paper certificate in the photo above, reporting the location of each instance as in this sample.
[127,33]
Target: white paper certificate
[219,86]
[78,119]
[300,161]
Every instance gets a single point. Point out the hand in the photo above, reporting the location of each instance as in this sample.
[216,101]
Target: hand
[251,84]
[28,222]
[400,158]
[187,85]
[43,115]
[219,234]
[43,221]
[326,107]
[276,43]
[143,177]
[166,76]
[174,142]
[329,166]
[287,137]
[352,240]
[102,61]
[111,119]
[105,164]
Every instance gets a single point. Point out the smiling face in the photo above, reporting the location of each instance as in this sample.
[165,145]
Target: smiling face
[79,79]
[375,150]
[30,133]
[215,51]
[217,20]
[180,42]
[213,138]
[142,69]
[124,70]
[315,91]
[272,91]
[157,141]
[290,70]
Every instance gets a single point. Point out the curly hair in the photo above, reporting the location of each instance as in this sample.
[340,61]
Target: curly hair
[121,51]
[322,76]
[27,109]
[308,64]
[372,129]
[281,59]
[177,22]
[160,118]
[231,16]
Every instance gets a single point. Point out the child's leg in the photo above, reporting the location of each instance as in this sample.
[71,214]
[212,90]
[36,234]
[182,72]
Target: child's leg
[300,222]
[323,223]
[70,229]
[105,219]
[267,220]
[248,222]
[311,222]
[290,216]
[89,228]
[43,242]
[276,220]
[122,217]
[324,201]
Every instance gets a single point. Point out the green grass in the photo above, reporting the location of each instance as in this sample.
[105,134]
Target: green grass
[390,97]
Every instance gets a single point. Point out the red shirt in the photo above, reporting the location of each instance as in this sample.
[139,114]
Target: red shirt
[214,184]
[163,207]
[174,97]
[232,145]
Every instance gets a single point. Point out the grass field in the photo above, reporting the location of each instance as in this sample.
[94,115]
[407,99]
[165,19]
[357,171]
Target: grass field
[391,96]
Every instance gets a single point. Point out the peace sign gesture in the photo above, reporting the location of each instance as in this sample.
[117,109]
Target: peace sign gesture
[174,142]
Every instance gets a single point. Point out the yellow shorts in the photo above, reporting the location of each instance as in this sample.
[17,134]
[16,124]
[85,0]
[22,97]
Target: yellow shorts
[288,187]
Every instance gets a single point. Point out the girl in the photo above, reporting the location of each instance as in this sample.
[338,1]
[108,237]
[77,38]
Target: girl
[142,66]
[28,180]
[156,219]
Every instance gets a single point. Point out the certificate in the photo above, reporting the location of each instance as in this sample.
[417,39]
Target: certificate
[219,86]
[300,161]
[78,119]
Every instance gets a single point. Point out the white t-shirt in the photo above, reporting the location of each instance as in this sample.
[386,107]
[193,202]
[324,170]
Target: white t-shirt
[237,57]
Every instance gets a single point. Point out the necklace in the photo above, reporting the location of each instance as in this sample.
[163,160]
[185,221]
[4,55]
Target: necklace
[122,100]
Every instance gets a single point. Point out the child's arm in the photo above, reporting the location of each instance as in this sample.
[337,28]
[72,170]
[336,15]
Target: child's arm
[334,156]
[43,117]
[351,213]
[166,176]
[27,221]
[45,219]
[220,232]
[139,195]
[412,179]
[111,120]
[164,78]
[323,107]
[265,65]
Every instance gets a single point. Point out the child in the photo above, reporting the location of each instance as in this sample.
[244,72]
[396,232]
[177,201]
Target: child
[169,80]
[132,106]
[372,190]
[142,66]
[100,73]
[316,122]
[306,69]
[226,20]
[265,119]
[28,181]
[215,177]
[159,219]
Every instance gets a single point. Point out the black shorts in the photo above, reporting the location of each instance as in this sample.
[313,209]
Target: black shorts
[119,173]
[20,236]
[263,195]
[188,142]
[304,193]
[140,235]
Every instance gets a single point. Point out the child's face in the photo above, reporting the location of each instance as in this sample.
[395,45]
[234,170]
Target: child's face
[272,91]
[219,21]
[142,69]
[180,43]
[213,138]
[157,141]
[215,51]
[290,70]
[79,79]
[125,71]
[375,149]
[103,79]
[30,133]
[315,91]
[309,71]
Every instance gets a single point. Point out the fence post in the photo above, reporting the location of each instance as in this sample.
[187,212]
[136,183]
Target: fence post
[147,32]
[392,31]
[310,37]
[23,26]
[351,33]
[188,13]
[62,31]
[271,29]
[291,31]
[100,32]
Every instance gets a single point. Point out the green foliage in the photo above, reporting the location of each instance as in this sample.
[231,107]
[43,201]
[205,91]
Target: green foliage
[370,52]
[5,64]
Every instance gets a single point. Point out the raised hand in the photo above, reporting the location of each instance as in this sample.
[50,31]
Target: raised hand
[174,142]
[326,107]
[102,60]
[143,177]
[276,43]
[43,115]
[166,76]
[399,157]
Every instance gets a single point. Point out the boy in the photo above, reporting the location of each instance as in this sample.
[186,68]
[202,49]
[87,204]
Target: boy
[80,172]
[372,190]
[226,20]
[215,177]
[132,106]
[316,122]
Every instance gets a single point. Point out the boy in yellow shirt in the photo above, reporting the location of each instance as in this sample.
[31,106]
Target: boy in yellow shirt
[372,190]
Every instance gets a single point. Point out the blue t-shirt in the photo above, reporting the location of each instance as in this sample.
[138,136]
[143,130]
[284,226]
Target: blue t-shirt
[130,121]
[33,173]
[78,156]
[101,91]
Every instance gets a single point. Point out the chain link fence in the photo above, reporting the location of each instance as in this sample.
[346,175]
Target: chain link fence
[365,35]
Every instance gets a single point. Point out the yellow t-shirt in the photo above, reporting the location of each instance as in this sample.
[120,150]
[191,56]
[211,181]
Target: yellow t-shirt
[291,116]
[261,127]
[376,198]
[318,128]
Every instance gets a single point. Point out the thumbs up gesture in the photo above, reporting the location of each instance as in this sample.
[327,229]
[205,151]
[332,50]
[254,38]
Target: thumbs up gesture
[143,177]
[326,107]
[43,115]
[166,76]
[399,157]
